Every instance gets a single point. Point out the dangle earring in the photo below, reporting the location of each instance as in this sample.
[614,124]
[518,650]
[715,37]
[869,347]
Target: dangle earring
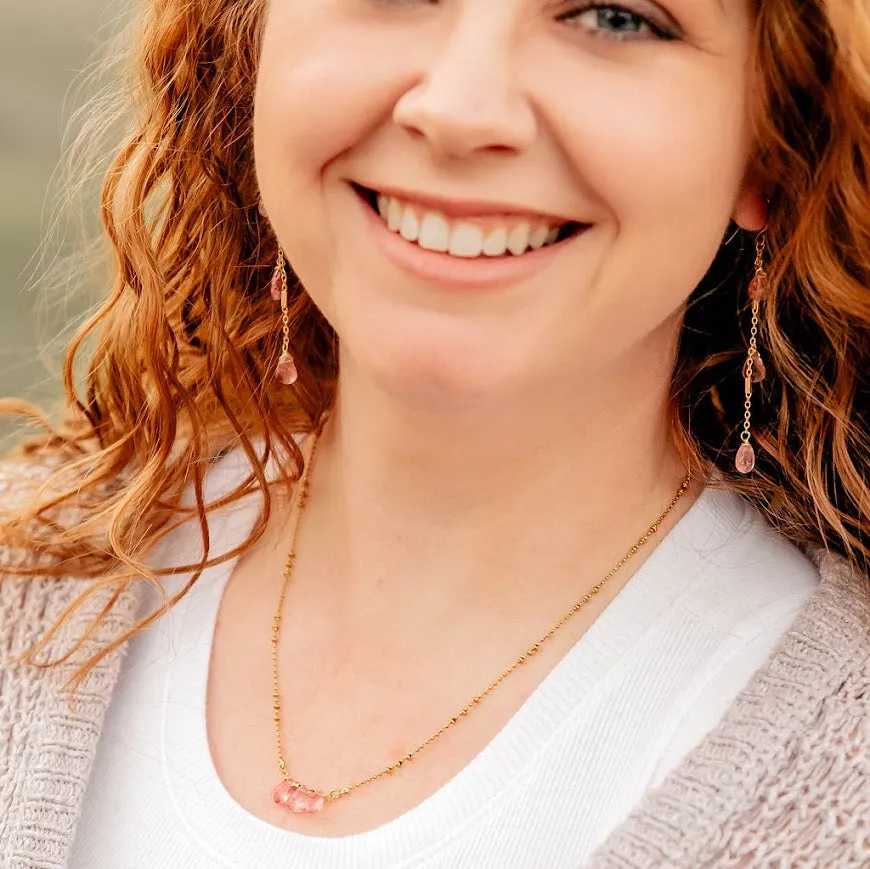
[285,370]
[753,369]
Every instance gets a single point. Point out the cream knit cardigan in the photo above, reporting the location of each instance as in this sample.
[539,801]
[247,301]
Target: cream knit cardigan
[783,781]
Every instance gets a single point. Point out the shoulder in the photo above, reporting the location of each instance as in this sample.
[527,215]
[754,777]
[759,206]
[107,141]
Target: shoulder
[833,629]
[813,691]
[33,597]
[28,483]
[786,770]
[50,740]
[30,599]
[808,715]
[20,482]
[20,479]
[749,579]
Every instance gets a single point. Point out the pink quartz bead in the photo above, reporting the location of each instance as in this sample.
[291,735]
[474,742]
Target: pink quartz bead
[745,460]
[307,803]
[757,287]
[276,286]
[298,800]
[283,793]
[285,370]
[759,372]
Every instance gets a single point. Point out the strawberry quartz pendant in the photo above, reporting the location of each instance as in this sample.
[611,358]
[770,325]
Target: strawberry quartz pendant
[745,460]
[758,287]
[297,798]
[285,370]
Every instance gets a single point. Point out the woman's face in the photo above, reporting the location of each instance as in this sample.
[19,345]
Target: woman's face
[615,135]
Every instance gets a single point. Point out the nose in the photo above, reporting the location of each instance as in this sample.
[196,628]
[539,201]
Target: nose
[468,99]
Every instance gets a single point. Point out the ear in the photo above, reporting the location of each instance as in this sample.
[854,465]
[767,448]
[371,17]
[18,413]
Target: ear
[750,207]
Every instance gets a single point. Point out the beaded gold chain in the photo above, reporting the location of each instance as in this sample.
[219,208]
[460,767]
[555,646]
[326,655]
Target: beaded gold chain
[301,799]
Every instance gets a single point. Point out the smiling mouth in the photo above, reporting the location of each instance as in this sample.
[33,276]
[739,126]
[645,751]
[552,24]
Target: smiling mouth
[467,237]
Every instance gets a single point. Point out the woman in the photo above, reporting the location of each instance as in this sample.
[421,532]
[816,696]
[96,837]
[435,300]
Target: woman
[472,467]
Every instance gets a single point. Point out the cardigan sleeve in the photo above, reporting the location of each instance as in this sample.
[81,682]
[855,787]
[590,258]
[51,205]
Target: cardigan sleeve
[47,740]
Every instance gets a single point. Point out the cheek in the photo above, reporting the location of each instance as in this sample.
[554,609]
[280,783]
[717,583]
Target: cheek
[325,82]
[311,107]
[305,106]
[648,140]
[662,152]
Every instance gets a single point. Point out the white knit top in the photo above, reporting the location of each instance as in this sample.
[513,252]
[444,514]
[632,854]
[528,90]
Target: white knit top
[653,674]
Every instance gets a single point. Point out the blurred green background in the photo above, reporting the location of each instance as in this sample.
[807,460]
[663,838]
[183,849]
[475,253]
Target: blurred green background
[45,47]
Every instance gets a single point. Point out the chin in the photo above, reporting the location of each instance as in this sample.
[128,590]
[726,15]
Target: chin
[431,377]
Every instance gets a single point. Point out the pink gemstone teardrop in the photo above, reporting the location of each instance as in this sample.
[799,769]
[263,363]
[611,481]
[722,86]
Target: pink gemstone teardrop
[757,287]
[745,460]
[275,287]
[262,209]
[285,370]
[759,372]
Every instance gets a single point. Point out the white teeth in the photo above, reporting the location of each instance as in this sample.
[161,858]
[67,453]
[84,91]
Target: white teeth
[394,215]
[496,243]
[518,240]
[538,238]
[466,240]
[434,233]
[463,238]
[410,228]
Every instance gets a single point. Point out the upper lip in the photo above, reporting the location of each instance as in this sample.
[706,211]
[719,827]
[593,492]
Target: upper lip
[456,208]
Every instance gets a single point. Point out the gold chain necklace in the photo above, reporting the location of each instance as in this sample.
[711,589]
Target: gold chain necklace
[301,799]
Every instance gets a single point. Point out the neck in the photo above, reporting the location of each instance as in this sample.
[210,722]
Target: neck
[480,504]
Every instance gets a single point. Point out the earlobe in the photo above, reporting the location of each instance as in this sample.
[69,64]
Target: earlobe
[750,209]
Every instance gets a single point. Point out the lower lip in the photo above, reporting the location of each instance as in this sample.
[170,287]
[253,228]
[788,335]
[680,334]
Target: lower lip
[480,273]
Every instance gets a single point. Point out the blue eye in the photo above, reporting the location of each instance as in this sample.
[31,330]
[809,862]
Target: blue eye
[612,21]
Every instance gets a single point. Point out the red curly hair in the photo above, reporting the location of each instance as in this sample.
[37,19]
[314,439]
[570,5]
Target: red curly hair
[179,352]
